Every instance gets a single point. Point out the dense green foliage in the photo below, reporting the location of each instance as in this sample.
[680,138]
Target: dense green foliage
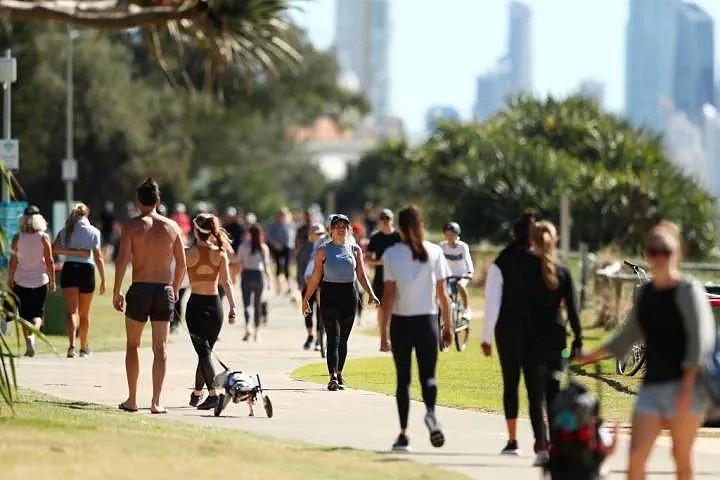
[227,147]
[619,180]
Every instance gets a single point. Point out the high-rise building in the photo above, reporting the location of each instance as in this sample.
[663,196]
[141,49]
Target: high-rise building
[362,42]
[512,74]
[694,74]
[650,60]
[519,51]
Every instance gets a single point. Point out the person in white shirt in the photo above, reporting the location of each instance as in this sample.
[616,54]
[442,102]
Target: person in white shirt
[415,283]
[457,254]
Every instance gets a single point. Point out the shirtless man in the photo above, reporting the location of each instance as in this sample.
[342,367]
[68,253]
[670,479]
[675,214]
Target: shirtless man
[151,242]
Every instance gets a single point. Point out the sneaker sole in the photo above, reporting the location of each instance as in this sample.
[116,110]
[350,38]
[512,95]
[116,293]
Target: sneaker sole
[401,449]
[510,453]
[437,439]
[333,387]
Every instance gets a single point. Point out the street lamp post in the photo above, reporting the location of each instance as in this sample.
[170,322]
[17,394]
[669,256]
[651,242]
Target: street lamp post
[9,75]
[69,166]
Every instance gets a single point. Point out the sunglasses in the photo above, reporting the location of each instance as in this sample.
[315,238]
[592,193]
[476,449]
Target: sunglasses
[658,252]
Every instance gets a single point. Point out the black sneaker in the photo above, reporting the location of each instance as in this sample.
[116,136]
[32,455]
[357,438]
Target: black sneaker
[437,439]
[402,444]
[341,382]
[85,352]
[333,385]
[511,448]
[209,403]
[194,399]
[308,342]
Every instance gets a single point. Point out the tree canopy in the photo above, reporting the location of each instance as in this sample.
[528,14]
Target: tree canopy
[619,179]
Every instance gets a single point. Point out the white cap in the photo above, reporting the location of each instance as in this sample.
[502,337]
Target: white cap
[180,208]
[251,218]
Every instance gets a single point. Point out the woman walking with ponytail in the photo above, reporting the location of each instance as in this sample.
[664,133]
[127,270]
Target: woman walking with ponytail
[414,276]
[338,263]
[80,242]
[207,265]
[548,285]
[253,259]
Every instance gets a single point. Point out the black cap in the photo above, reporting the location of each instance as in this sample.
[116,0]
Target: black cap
[31,210]
[339,218]
[386,213]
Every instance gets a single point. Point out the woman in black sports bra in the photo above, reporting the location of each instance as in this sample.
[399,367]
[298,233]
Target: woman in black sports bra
[207,264]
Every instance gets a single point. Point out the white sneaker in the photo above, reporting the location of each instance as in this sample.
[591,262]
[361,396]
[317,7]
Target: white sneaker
[437,439]
[541,458]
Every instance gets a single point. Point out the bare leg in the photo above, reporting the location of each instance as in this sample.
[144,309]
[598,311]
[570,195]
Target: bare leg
[683,429]
[71,310]
[133,330]
[645,429]
[160,332]
[84,302]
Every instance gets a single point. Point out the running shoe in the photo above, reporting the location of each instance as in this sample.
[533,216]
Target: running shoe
[333,385]
[402,444]
[308,342]
[85,352]
[29,347]
[541,458]
[209,404]
[437,439]
[341,382]
[511,448]
[317,346]
[246,336]
[194,399]
[71,353]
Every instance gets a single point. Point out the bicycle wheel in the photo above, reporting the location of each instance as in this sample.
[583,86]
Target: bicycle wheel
[462,330]
[632,362]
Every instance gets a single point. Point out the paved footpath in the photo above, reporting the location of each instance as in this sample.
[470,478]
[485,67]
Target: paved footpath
[307,412]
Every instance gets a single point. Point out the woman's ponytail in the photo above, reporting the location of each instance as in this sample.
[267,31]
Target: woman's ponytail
[411,223]
[543,236]
[79,210]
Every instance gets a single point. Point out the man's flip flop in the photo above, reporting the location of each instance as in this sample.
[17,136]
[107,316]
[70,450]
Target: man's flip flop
[124,406]
[158,412]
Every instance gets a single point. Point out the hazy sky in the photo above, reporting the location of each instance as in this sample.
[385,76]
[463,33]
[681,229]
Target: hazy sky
[439,48]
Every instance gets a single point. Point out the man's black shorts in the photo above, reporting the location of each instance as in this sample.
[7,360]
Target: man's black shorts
[155,301]
[78,275]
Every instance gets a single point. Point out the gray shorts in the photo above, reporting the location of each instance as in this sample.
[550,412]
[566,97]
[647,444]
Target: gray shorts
[661,399]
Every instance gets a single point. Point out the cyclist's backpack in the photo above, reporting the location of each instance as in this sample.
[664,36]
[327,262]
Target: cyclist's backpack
[576,447]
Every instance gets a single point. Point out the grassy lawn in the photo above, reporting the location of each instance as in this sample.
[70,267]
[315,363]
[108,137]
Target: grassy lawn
[52,438]
[470,380]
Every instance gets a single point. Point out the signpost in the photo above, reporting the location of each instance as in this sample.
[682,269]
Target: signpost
[10,154]
[10,213]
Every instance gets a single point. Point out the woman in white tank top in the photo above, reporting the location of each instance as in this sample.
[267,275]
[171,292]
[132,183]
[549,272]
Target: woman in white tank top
[31,272]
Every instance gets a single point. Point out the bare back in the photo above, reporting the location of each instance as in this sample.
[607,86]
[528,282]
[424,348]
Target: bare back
[152,240]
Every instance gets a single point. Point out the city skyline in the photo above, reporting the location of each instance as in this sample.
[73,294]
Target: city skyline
[572,42]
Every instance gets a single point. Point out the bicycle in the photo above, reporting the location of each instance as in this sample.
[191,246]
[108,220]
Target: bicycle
[461,325]
[634,360]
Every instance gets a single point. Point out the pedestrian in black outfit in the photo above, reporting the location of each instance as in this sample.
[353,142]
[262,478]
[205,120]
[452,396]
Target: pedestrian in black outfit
[338,263]
[548,285]
[415,283]
[385,237]
[503,318]
[207,264]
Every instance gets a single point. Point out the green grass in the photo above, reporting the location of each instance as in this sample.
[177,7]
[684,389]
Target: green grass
[53,438]
[469,380]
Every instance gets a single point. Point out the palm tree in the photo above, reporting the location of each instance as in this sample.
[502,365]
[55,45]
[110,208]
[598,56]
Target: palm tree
[248,34]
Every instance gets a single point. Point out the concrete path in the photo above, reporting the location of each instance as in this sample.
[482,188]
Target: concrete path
[307,412]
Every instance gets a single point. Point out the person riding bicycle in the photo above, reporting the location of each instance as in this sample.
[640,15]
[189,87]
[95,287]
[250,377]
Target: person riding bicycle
[457,254]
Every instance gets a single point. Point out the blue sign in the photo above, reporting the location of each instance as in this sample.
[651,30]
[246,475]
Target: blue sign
[10,213]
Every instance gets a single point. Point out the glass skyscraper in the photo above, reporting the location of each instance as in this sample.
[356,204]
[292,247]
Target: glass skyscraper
[519,51]
[362,42]
[694,62]
[650,60]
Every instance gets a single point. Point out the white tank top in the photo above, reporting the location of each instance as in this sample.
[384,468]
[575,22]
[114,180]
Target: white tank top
[31,271]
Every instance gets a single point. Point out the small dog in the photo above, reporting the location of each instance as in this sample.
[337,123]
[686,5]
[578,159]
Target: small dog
[240,387]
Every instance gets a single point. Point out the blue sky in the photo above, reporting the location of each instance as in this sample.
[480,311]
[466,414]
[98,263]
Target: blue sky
[439,48]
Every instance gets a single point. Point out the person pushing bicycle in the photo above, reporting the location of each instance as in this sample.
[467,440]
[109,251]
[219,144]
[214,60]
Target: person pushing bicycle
[457,254]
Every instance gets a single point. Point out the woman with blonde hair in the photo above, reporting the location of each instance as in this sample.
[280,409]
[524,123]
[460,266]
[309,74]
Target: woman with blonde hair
[253,260]
[78,274]
[31,272]
[548,286]
[671,314]
[207,265]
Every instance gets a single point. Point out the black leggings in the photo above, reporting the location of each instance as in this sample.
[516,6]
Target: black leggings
[252,285]
[282,261]
[309,316]
[421,333]
[338,303]
[509,349]
[539,365]
[204,319]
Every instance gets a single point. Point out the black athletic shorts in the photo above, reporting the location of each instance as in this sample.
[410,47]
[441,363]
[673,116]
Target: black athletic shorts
[78,275]
[31,301]
[155,301]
